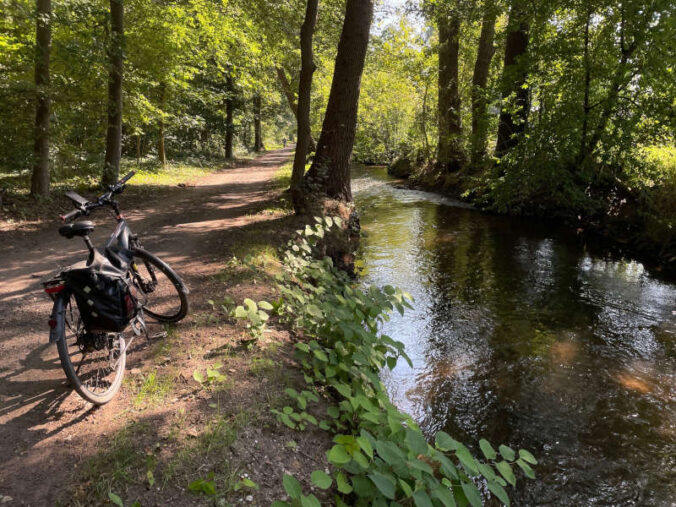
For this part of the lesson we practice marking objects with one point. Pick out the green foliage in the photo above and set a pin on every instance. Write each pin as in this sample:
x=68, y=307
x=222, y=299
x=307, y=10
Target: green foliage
x=211, y=377
x=255, y=315
x=379, y=453
x=203, y=486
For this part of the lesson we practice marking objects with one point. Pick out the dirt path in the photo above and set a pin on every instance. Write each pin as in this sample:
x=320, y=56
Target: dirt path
x=44, y=427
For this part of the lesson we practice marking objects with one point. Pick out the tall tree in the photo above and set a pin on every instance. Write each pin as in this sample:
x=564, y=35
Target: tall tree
x=303, y=135
x=258, y=134
x=111, y=171
x=330, y=170
x=450, y=153
x=485, y=52
x=286, y=86
x=514, y=116
x=43, y=44
x=229, y=114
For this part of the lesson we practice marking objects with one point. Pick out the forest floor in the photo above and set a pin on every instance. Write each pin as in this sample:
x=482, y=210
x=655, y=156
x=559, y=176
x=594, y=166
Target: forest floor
x=164, y=430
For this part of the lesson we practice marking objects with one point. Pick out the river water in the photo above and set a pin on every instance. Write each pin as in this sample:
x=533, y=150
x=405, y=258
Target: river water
x=521, y=336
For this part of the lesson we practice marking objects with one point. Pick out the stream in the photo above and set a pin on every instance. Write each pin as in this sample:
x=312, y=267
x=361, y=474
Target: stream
x=522, y=336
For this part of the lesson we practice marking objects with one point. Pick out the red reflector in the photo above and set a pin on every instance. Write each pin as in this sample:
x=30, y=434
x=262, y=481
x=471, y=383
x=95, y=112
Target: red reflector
x=53, y=289
x=52, y=323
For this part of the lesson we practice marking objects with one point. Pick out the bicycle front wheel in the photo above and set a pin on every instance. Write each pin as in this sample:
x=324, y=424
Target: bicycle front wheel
x=94, y=362
x=164, y=295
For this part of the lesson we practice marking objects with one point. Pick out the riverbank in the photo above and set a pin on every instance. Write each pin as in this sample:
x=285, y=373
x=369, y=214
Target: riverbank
x=632, y=224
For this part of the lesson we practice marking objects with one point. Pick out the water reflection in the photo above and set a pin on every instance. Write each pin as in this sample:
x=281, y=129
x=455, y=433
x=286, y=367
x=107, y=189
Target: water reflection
x=521, y=336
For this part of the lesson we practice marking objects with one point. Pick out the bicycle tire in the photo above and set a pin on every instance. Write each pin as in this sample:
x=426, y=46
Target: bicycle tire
x=181, y=290
x=71, y=371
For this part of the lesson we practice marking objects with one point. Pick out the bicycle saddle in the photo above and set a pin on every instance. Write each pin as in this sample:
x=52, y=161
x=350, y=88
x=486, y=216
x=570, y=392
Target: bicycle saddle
x=77, y=229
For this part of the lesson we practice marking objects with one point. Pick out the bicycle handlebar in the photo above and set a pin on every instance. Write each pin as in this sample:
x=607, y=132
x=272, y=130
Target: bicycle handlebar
x=103, y=200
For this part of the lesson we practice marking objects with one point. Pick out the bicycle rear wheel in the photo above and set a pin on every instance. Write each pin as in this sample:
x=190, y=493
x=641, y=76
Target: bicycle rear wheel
x=164, y=295
x=94, y=362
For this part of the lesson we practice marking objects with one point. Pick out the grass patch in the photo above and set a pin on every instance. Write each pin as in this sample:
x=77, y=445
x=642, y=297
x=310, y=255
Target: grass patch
x=151, y=389
x=283, y=175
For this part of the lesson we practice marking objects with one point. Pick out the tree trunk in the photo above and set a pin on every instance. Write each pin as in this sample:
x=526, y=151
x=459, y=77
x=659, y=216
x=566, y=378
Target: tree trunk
x=286, y=86
x=161, y=154
x=514, y=75
x=330, y=169
x=111, y=171
x=450, y=154
x=43, y=43
x=229, y=114
x=303, y=111
x=258, y=136
x=485, y=53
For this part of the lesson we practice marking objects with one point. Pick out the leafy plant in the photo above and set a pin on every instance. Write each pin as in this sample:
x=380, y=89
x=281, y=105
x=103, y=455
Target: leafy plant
x=379, y=454
x=255, y=315
x=203, y=486
x=211, y=377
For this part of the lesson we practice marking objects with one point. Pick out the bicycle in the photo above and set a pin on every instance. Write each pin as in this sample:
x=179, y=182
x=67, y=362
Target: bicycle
x=94, y=359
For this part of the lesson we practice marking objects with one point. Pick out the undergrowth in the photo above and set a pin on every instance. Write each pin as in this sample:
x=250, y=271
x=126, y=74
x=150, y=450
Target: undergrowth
x=380, y=456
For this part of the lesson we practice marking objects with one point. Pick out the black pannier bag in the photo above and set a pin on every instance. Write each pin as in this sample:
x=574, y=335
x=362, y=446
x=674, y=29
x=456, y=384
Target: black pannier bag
x=103, y=291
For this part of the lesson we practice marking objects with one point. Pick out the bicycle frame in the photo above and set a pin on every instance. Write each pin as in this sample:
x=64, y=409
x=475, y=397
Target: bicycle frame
x=122, y=234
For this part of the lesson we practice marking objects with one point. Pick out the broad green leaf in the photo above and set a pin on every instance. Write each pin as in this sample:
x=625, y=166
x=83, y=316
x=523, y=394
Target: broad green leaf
x=338, y=455
x=527, y=470
x=527, y=456
x=422, y=499
x=506, y=471
x=251, y=305
x=472, y=494
x=444, y=495
x=444, y=442
x=487, y=449
x=309, y=501
x=467, y=460
x=342, y=484
x=499, y=492
x=385, y=484
x=321, y=479
x=389, y=452
x=292, y=486
x=507, y=452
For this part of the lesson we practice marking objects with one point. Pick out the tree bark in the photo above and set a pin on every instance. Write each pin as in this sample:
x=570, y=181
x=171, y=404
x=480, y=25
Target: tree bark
x=229, y=115
x=514, y=75
x=330, y=171
x=43, y=44
x=284, y=81
x=111, y=171
x=450, y=154
x=482, y=65
x=258, y=136
x=303, y=134
x=161, y=154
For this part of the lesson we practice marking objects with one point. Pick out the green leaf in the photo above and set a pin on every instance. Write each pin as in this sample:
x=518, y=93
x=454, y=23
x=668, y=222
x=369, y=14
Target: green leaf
x=365, y=446
x=319, y=354
x=198, y=376
x=406, y=488
x=422, y=499
x=338, y=455
x=309, y=501
x=498, y=491
x=527, y=470
x=264, y=305
x=472, y=494
x=314, y=311
x=115, y=499
x=444, y=495
x=251, y=305
x=467, y=460
x=487, y=449
x=321, y=479
x=241, y=313
x=389, y=452
x=292, y=486
x=416, y=442
x=385, y=484
x=486, y=471
x=527, y=456
x=342, y=484
x=507, y=452
x=444, y=442
x=506, y=471
x=248, y=483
